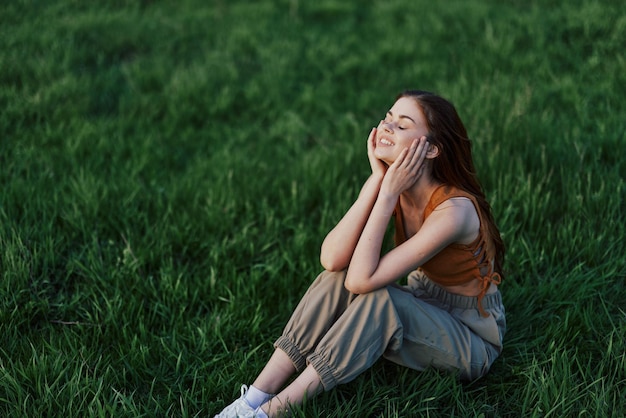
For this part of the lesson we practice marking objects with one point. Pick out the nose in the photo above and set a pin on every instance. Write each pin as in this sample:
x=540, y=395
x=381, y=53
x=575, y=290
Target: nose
x=386, y=126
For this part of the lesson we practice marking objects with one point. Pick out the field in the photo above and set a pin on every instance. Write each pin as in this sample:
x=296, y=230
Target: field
x=169, y=170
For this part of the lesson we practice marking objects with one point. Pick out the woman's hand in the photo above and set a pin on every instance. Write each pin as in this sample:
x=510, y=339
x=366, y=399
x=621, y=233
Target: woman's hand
x=406, y=169
x=379, y=168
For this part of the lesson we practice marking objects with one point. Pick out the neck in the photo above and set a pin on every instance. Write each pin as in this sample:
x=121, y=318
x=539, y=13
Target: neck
x=418, y=195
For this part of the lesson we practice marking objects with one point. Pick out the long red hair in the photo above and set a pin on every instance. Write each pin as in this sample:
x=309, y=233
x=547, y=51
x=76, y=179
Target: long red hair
x=454, y=164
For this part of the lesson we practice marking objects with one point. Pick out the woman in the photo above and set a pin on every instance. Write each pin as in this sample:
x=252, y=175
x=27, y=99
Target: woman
x=450, y=313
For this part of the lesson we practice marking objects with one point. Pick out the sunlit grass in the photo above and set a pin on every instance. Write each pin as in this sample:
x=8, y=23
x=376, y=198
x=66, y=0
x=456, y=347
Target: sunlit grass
x=169, y=170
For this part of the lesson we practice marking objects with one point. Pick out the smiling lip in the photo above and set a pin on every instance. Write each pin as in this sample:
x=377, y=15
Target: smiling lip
x=386, y=142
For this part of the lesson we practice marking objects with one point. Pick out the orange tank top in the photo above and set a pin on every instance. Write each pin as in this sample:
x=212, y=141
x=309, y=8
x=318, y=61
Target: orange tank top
x=457, y=264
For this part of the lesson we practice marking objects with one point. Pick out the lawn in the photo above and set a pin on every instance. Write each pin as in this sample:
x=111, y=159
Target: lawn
x=169, y=170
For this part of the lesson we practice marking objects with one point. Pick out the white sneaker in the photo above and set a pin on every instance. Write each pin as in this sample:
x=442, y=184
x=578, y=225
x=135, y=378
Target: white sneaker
x=238, y=409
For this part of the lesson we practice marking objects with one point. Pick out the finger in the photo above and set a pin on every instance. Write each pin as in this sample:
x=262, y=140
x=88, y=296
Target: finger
x=412, y=152
x=372, y=135
x=421, y=150
x=371, y=139
x=402, y=158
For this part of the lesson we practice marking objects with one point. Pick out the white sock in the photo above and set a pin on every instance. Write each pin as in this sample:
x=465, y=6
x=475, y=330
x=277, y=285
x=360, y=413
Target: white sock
x=256, y=397
x=260, y=413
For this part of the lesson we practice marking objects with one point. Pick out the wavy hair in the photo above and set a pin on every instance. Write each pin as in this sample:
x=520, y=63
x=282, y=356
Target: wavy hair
x=454, y=164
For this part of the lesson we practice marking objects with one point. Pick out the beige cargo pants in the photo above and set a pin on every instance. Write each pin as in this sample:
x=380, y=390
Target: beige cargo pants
x=419, y=325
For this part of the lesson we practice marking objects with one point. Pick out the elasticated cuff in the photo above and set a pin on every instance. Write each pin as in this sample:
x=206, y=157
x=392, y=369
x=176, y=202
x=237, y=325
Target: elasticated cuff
x=323, y=370
x=292, y=352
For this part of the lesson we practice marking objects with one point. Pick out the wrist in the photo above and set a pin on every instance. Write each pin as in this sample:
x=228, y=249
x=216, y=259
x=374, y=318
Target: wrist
x=377, y=178
x=387, y=201
x=388, y=197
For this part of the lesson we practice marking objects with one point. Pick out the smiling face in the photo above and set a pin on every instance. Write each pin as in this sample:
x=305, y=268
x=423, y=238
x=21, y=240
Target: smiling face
x=403, y=123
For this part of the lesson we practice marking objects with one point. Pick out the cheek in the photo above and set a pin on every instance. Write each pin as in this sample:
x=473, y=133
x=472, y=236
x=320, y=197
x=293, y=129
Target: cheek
x=409, y=136
x=406, y=138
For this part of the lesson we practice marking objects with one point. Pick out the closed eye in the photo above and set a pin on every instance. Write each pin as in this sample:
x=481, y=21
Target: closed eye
x=389, y=118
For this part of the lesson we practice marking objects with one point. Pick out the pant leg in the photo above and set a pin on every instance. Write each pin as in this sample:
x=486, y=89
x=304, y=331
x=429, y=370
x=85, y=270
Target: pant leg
x=324, y=302
x=434, y=336
x=368, y=327
x=434, y=330
x=342, y=334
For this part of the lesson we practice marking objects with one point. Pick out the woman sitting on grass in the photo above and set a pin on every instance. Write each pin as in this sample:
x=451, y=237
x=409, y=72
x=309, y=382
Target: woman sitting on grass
x=449, y=315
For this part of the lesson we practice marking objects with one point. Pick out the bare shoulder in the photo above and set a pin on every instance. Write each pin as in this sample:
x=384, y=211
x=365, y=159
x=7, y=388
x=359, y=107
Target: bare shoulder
x=457, y=206
x=461, y=212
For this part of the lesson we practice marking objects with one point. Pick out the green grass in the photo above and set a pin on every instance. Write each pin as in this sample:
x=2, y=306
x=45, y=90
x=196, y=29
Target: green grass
x=170, y=168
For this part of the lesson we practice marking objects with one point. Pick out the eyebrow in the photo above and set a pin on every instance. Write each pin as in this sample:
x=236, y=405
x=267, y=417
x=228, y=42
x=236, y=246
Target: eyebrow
x=402, y=117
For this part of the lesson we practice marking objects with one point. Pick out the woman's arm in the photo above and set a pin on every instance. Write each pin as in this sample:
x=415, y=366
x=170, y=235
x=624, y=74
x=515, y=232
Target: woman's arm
x=340, y=242
x=450, y=222
x=369, y=270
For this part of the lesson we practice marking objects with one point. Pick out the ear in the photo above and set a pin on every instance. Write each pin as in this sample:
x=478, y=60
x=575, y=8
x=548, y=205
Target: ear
x=432, y=151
